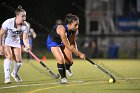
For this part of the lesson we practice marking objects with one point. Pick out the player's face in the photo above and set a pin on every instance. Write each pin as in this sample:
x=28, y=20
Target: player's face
x=74, y=25
x=21, y=17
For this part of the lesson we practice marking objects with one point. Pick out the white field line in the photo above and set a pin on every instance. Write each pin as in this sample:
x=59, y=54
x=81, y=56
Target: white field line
x=8, y=87
x=34, y=85
x=25, y=85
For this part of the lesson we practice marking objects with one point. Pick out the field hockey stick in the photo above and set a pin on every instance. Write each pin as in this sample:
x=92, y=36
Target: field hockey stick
x=38, y=60
x=106, y=72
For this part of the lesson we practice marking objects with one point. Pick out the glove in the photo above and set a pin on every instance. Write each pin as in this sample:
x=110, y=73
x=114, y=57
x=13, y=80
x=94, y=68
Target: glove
x=26, y=48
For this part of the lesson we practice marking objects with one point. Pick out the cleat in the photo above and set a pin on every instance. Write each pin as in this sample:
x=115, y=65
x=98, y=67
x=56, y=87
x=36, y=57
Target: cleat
x=69, y=72
x=7, y=81
x=16, y=77
x=63, y=81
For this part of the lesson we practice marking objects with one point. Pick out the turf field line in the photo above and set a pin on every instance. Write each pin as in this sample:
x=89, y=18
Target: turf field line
x=27, y=85
x=70, y=82
x=131, y=81
x=34, y=85
x=128, y=78
x=58, y=86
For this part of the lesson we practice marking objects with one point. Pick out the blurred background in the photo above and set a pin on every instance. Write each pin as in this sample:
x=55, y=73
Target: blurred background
x=108, y=28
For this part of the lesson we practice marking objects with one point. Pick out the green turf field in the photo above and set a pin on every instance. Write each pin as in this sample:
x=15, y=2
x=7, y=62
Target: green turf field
x=87, y=78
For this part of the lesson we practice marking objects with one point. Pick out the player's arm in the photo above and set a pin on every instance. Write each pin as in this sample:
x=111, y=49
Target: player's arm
x=1, y=35
x=3, y=30
x=33, y=32
x=26, y=41
x=72, y=40
x=25, y=37
x=63, y=35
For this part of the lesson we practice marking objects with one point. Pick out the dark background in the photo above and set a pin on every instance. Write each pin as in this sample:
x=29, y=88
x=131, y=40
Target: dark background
x=42, y=14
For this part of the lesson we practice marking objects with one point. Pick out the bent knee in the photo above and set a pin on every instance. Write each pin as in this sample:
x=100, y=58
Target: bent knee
x=18, y=60
x=9, y=57
x=60, y=60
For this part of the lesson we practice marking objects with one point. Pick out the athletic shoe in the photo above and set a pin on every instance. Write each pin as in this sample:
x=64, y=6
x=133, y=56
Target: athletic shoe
x=7, y=81
x=69, y=72
x=63, y=81
x=16, y=77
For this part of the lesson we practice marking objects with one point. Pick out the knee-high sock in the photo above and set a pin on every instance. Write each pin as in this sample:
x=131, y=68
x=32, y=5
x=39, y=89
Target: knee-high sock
x=17, y=66
x=7, y=68
x=61, y=69
x=68, y=66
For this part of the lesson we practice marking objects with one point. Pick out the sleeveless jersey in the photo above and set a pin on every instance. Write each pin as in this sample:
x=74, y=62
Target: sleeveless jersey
x=54, y=39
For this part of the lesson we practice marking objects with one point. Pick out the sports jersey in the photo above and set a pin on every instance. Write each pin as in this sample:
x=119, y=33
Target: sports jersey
x=13, y=34
x=54, y=39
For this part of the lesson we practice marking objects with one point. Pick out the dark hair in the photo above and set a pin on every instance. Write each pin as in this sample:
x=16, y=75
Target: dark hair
x=70, y=18
x=19, y=9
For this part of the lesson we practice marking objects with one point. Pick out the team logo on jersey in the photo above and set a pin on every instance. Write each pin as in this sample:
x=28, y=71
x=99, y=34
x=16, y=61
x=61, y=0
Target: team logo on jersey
x=15, y=32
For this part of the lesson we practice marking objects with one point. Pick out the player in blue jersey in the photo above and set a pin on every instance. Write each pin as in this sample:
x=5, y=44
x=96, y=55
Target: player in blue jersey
x=61, y=42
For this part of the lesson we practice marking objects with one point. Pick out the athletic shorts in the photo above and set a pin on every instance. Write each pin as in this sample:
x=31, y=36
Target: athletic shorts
x=50, y=43
x=12, y=43
x=21, y=42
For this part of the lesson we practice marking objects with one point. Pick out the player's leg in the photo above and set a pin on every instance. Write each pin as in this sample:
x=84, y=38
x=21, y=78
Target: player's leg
x=17, y=64
x=68, y=60
x=22, y=47
x=7, y=63
x=56, y=51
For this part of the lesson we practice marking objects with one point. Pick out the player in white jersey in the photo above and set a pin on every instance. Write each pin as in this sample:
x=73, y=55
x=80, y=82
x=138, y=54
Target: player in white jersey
x=13, y=28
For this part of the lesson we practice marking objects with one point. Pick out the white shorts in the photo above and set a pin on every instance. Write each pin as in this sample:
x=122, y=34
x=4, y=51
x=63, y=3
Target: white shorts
x=12, y=43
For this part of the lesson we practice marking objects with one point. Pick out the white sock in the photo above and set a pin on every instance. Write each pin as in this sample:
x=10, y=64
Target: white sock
x=7, y=68
x=16, y=67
